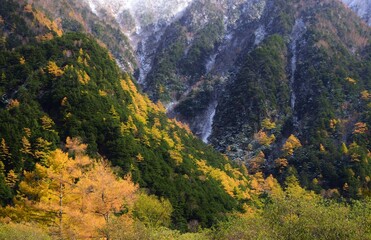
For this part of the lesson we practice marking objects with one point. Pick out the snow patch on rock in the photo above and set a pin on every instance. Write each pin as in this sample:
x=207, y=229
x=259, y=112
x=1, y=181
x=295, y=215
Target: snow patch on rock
x=362, y=8
x=255, y=9
x=145, y=12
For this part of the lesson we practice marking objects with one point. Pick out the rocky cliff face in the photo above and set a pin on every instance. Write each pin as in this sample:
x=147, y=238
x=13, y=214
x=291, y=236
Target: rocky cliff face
x=188, y=49
x=362, y=8
x=248, y=76
x=187, y=65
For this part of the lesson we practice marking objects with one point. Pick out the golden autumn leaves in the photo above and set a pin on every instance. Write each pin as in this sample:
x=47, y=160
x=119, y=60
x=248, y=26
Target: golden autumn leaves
x=72, y=197
x=290, y=145
x=56, y=71
x=264, y=139
x=43, y=20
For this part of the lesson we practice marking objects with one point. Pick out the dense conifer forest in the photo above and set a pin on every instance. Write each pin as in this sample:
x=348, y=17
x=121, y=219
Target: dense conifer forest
x=85, y=154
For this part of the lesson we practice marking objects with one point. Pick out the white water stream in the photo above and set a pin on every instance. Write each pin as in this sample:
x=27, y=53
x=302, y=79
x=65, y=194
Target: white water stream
x=208, y=125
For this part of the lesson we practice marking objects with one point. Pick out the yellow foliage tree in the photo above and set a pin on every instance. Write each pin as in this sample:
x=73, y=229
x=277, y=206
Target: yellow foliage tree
x=260, y=185
x=264, y=139
x=281, y=163
x=83, y=77
x=54, y=70
x=351, y=80
x=156, y=134
x=102, y=93
x=45, y=21
x=107, y=193
x=115, y=115
x=354, y=152
x=74, y=198
x=27, y=131
x=344, y=149
x=334, y=123
x=47, y=123
x=176, y=156
x=139, y=157
x=256, y=162
x=5, y=154
x=152, y=211
x=291, y=145
x=26, y=146
x=11, y=179
x=268, y=124
x=22, y=61
x=13, y=103
x=42, y=148
x=235, y=187
x=128, y=127
x=360, y=128
x=74, y=145
x=168, y=140
x=322, y=148
x=272, y=186
x=365, y=95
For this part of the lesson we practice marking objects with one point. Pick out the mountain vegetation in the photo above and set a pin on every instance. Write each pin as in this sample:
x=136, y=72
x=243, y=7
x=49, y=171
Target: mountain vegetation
x=76, y=16
x=84, y=153
x=69, y=86
x=313, y=88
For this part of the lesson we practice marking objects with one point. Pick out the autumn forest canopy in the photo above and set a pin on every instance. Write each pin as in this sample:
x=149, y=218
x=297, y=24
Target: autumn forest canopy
x=85, y=154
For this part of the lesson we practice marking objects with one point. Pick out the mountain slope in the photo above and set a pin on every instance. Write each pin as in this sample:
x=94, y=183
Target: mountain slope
x=284, y=87
x=307, y=89
x=76, y=16
x=312, y=80
x=69, y=86
x=251, y=77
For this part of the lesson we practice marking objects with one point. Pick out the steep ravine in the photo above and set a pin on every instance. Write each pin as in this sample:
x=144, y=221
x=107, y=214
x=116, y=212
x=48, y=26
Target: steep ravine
x=248, y=76
x=154, y=35
x=296, y=35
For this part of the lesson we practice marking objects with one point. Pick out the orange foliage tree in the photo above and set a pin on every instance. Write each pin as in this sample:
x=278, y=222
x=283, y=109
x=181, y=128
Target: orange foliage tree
x=74, y=197
x=291, y=145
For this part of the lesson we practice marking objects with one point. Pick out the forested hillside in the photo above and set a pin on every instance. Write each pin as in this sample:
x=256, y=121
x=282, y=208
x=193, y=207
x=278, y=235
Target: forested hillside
x=68, y=86
x=313, y=88
x=85, y=154
x=227, y=69
x=76, y=16
x=283, y=86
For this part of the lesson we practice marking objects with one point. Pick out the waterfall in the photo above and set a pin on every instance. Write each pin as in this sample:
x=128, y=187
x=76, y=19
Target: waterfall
x=210, y=63
x=209, y=118
x=259, y=35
